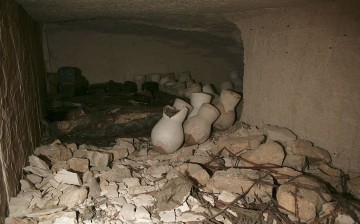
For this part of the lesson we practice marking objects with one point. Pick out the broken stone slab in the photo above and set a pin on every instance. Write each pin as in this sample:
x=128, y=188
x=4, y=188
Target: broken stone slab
x=183, y=154
x=226, y=197
x=43, y=212
x=123, y=148
x=25, y=185
x=302, y=196
x=131, y=181
x=159, y=171
x=110, y=191
x=73, y=196
x=305, y=148
x=87, y=176
x=188, y=217
x=276, y=133
x=142, y=215
x=94, y=188
x=100, y=159
x=283, y=174
x=66, y=177
x=168, y=216
x=241, y=180
x=34, y=178
x=38, y=171
x=37, y=162
x=81, y=153
x=60, y=165
x=12, y=220
x=19, y=206
x=135, y=190
x=354, y=187
x=297, y=162
x=332, y=176
x=127, y=212
x=145, y=200
x=116, y=175
x=56, y=152
x=78, y=164
x=173, y=194
x=193, y=171
x=237, y=145
x=270, y=153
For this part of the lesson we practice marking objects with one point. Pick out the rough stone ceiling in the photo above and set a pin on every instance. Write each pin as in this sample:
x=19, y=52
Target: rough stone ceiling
x=196, y=15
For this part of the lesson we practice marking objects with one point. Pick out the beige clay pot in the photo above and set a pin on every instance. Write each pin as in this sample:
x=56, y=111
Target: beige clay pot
x=198, y=99
x=179, y=104
x=228, y=101
x=167, y=136
x=197, y=129
x=139, y=80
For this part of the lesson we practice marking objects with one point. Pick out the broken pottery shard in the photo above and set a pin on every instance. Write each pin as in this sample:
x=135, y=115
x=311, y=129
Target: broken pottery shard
x=67, y=177
x=73, y=196
x=305, y=148
x=297, y=162
x=98, y=158
x=45, y=212
x=78, y=164
x=240, y=180
x=237, y=145
x=38, y=171
x=173, y=194
x=303, y=196
x=270, y=153
x=37, y=162
x=354, y=187
x=193, y=171
x=279, y=133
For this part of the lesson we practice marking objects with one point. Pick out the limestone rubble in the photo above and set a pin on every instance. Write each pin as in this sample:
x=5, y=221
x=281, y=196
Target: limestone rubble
x=243, y=175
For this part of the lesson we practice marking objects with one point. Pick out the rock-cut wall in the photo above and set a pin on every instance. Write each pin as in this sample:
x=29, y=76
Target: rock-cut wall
x=21, y=85
x=302, y=71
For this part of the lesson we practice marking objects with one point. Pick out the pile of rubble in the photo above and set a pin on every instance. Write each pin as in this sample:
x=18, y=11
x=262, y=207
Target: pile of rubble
x=243, y=175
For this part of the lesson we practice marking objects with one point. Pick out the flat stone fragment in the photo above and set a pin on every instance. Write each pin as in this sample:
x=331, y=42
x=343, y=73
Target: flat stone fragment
x=305, y=148
x=279, y=133
x=19, y=206
x=73, y=196
x=237, y=145
x=142, y=215
x=45, y=212
x=123, y=148
x=37, y=162
x=283, y=174
x=98, y=158
x=78, y=164
x=110, y=191
x=226, y=196
x=12, y=220
x=297, y=162
x=145, y=200
x=94, y=188
x=354, y=187
x=25, y=185
x=34, y=178
x=127, y=212
x=38, y=171
x=270, y=153
x=116, y=175
x=60, y=165
x=173, y=194
x=190, y=217
x=310, y=196
x=66, y=177
x=167, y=216
x=198, y=174
x=240, y=180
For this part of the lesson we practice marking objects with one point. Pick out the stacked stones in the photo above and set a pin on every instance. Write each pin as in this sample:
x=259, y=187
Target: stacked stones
x=223, y=180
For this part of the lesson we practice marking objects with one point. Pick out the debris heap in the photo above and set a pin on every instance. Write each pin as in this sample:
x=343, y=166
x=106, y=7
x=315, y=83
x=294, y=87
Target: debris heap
x=243, y=175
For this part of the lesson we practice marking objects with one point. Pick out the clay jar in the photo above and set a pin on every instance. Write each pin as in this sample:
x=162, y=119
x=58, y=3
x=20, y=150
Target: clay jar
x=154, y=77
x=197, y=129
x=228, y=101
x=139, y=80
x=198, y=99
x=179, y=104
x=167, y=135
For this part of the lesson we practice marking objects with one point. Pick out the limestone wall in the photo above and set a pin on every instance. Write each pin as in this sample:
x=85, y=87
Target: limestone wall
x=21, y=76
x=104, y=56
x=302, y=71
